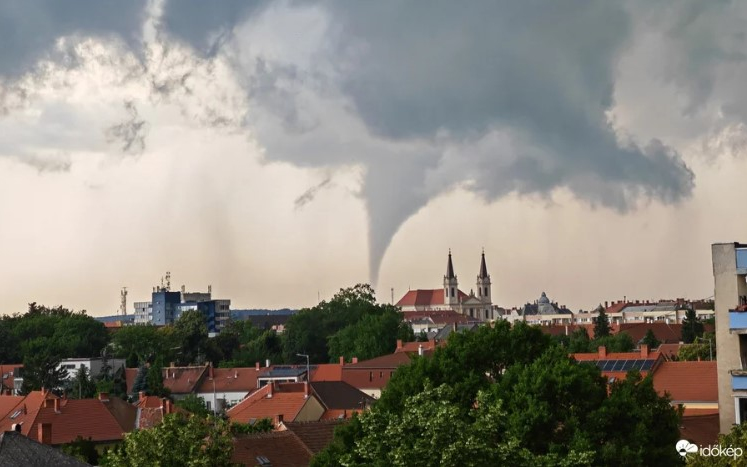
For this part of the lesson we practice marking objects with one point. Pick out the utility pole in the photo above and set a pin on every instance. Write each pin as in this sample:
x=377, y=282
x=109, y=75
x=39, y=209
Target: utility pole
x=308, y=375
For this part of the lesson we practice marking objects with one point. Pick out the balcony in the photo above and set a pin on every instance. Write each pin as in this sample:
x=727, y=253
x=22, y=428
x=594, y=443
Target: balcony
x=738, y=380
x=741, y=261
x=738, y=322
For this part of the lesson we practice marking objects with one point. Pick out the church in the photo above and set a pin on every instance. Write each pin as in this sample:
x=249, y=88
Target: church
x=476, y=306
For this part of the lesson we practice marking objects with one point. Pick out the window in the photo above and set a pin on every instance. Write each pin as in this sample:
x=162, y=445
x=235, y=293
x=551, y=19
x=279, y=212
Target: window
x=452, y=292
x=741, y=409
x=370, y=376
x=381, y=374
x=486, y=292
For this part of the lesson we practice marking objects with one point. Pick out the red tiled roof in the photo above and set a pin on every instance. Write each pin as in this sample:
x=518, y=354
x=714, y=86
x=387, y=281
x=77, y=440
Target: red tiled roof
x=29, y=407
x=287, y=400
x=436, y=316
x=87, y=418
x=151, y=409
x=7, y=403
x=700, y=429
x=231, y=380
x=280, y=448
x=179, y=380
x=389, y=361
x=426, y=297
x=664, y=332
x=562, y=329
x=669, y=350
x=327, y=372
x=413, y=347
x=687, y=381
x=315, y=435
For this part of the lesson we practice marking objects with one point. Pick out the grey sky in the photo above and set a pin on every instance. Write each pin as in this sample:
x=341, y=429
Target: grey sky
x=611, y=109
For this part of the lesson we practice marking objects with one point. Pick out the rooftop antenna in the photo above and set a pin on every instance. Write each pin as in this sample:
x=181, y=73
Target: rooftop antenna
x=210, y=289
x=123, y=302
x=168, y=281
x=392, y=302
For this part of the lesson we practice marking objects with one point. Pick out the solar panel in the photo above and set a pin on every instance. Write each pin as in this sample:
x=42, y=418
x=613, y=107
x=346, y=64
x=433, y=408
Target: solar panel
x=647, y=364
x=618, y=365
x=628, y=365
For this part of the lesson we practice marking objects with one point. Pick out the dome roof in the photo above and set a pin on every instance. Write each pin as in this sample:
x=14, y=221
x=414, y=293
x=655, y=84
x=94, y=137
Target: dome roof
x=543, y=299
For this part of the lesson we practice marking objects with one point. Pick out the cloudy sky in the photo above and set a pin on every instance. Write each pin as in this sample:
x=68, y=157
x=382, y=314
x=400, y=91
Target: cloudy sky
x=282, y=150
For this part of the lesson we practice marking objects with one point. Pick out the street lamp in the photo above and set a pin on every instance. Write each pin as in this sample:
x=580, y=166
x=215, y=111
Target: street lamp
x=308, y=375
x=710, y=348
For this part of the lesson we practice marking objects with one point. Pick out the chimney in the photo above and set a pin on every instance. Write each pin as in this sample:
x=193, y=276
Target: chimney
x=166, y=407
x=267, y=362
x=270, y=390
x=280, y=418
x=256, y=366
x=644, y=350
x=454, y=326
x=420, y=349
x=355, y=359
x=399, y=343
x=44, y=434
x=342, y=361
x=306, y=390
x=210, y=370
x=602, y=351
x=141, y=395
x=606, y=304
x=171, y=364
x=235, y=374
x=57, y=405
x=104, y=396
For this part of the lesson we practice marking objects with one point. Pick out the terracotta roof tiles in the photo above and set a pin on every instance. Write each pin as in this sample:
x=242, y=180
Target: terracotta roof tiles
x=279, y=448
x=315, y=435
x=687, y=381
x=286, y=399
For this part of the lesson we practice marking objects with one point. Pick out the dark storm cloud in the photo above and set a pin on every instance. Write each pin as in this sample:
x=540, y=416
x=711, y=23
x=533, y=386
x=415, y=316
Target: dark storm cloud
x=28, y=28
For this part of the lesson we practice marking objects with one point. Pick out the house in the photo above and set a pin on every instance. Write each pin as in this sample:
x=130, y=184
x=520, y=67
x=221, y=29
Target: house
x=340, y=400
x=226, y=387
x=93, y=366
x=292, y=445
x=10, y=379
x=19, y=450
x=434, y=320
x=616, y=365
x=371, y=376
x=278, y=401
x=180, y=380
x=415, y=347
x=152, y=409
x=694, y=385
x=53, y=420
x=277, y=448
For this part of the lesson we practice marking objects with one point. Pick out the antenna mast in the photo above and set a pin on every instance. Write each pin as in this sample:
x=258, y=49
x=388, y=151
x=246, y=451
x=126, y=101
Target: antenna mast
x=168, y=281
x=123, y=302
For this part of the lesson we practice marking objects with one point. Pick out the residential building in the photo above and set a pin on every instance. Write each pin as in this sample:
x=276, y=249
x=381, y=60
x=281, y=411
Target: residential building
x=180, y=380
x=340, y=400
x=730, y=292
x=52, y=420
x=279, y=448
x=475, y=305
x=371, y=376
x=226, y=387
x=152, y=409
x=615, y=365
x=10, y=379
x=542, y=312
x=693, y=385
x=279, y=402
x=166, y=307
x=93, y=366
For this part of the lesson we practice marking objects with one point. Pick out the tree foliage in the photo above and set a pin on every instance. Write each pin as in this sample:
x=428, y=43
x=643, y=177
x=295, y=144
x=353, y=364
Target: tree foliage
x=650, y=340
x=508, y=396
x=692, y=327
x=602, y=324
x=177, y=441
x=194, y=405
x=335, y=328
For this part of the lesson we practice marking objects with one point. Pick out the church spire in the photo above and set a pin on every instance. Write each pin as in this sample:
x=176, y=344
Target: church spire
x=450, y=268
x=483, y=267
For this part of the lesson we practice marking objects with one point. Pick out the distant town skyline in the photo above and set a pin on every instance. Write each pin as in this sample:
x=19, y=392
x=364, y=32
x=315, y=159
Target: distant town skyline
x=280, y=151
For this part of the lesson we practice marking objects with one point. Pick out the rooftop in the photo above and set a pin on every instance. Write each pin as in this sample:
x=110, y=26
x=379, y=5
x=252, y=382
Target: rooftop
x=687, y=381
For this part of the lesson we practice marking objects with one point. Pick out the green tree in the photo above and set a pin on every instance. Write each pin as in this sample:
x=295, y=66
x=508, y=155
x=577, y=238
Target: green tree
x=263, y=425
x=192, y=332
x=602, y=324
x=194, y=405
x=309, y=330
x=41, y=365
x=82, y=449
x=177, y=441
x=580, y=341
x=650, y=340
x=141, y=379
x=154, y=379
x=620, y=342
x=692, y=327
x=142, y=342
x=737, y=438
x=422, y=336
x=374, y=335
x=80, y=386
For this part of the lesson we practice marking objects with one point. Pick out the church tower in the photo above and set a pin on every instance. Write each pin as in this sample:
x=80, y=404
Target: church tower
x=451, y=290
x=483, y=282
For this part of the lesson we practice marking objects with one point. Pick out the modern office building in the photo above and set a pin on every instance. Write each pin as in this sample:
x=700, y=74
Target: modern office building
x=730, y=291
x=166, y=307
